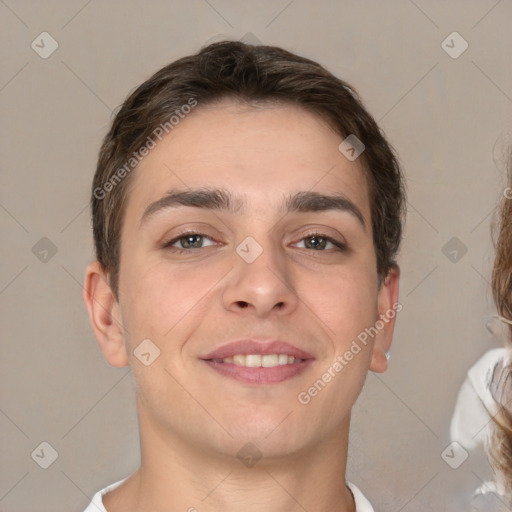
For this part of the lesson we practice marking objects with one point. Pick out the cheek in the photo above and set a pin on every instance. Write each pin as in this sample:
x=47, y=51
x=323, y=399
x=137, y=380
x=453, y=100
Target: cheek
x=346, y=301
x=350, y=310
x=144, y=301
x=159, y=298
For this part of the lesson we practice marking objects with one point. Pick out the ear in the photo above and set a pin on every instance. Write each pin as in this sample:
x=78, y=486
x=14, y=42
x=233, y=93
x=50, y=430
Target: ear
x=104, y=314
x=388, y=307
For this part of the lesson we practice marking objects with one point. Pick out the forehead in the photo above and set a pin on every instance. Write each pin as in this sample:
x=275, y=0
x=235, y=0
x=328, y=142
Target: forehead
x=257, y=151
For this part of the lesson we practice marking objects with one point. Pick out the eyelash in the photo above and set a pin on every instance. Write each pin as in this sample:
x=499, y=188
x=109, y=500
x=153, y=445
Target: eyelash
x=340, y=245
x=169, y=245
x=177, y=250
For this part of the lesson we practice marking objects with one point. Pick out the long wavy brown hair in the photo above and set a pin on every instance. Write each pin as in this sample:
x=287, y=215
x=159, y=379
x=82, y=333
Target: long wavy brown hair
x=499, y=443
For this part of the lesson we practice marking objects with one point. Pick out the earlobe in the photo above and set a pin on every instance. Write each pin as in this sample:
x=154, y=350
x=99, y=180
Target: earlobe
x=388, y=308
x=104, y=314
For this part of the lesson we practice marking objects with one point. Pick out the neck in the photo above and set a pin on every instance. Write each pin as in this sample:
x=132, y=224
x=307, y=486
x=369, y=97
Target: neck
x=174, y=475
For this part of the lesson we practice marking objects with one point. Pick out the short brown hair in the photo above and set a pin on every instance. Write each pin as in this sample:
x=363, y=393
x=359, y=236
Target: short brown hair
x=248, y=73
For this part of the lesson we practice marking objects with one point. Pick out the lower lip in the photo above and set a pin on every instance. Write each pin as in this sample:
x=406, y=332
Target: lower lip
x=260, y=375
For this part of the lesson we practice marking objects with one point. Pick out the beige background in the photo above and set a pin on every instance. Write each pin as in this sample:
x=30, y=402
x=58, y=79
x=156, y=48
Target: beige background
x=448, y=119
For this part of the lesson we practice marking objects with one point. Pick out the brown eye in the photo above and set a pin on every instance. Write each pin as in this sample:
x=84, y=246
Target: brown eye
x=315, y=242
x=191, y=241
x=321, y=243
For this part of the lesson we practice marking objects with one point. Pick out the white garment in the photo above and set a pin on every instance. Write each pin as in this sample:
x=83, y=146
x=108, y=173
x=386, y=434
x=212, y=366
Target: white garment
x=471, y=418
x=96, y=505
x=362, y=504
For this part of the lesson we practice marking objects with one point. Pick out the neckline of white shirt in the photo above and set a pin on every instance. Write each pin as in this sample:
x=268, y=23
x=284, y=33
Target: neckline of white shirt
x=96, y=505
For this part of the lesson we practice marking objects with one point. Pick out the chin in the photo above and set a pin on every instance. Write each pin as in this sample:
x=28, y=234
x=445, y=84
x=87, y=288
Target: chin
x=273, y=435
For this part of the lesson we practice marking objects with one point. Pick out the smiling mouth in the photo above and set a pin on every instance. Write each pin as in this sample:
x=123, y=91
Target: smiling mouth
x=259, y=360
x=259, y=369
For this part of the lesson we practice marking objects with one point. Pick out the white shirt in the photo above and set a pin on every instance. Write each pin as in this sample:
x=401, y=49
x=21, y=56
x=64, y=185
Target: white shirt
x=96, y=505
x=471, y=419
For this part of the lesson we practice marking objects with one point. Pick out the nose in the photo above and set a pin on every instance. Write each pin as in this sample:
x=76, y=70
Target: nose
x=262, y=287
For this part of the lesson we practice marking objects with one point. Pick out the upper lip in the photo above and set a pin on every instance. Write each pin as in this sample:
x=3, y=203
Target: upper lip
x=254, y=346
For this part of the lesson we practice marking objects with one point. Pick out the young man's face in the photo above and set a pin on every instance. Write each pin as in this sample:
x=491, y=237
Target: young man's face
x=221, y=290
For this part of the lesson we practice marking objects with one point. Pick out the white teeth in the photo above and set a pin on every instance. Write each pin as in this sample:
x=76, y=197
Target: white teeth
x=253, y=360
x=239, y=360
x=269, y=360
x=258, y=361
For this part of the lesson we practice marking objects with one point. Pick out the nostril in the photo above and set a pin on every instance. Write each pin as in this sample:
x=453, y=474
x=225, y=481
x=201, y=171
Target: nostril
x=242, y=303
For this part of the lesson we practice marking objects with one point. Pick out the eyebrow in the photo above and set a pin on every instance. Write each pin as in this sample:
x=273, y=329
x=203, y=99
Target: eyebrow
x=222, y=200
x=316, y=202
x=206, y=198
